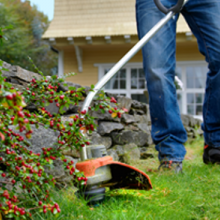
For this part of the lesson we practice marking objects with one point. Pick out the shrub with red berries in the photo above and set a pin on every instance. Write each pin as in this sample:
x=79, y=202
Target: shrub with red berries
x=21, y=169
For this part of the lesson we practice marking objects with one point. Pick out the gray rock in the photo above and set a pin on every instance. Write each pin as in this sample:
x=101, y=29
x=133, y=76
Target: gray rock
x=126, y=118
x=71, y=152
x=119, y=149
x=97, y=139
x=16, y=71
x=52, y=108
x=124, y=102
x=139, y=106
x=199, y=131
x=113, y=154
x=131, y=153
x=144, y=127
x=18, y=87
x=131, y=127
x=104, y=116
x=74, y=108
x=185, y=119
x=58, y=172
x=139, y=138
x=148, y=152
x=198, y=122
x=41, y=138
x=192, y=121
x=108, y=127
x=141, y=118
x=142, y=122
x=108, y=94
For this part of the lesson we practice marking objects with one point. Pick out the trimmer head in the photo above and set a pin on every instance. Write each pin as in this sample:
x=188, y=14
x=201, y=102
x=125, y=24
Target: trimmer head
x=121, y=175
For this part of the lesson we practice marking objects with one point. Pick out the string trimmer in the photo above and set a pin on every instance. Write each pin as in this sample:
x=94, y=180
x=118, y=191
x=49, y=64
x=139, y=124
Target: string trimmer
x=100, y=169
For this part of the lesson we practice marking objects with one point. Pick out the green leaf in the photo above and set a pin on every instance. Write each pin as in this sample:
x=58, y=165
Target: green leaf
x=55, y=211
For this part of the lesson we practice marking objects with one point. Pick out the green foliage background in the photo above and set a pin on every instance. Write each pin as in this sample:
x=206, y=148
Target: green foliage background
x=24, y=39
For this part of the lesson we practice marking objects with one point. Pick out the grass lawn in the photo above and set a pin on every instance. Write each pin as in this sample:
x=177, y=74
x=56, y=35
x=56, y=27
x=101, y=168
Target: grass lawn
x=194, y=194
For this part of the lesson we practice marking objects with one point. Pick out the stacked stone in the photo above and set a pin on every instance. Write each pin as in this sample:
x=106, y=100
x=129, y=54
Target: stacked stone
x=126, y=139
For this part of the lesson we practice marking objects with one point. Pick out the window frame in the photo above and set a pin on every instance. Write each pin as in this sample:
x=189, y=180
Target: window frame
x=128, y=91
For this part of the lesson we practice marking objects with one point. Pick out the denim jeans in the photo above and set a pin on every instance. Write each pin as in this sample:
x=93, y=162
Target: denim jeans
x=203, y=17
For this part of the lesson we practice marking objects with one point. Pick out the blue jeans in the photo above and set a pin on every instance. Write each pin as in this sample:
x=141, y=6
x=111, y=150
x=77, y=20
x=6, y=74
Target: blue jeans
x=203, y=17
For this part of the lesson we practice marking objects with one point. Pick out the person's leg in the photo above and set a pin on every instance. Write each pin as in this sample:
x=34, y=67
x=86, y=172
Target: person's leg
x=203, y=18
x=159, y=62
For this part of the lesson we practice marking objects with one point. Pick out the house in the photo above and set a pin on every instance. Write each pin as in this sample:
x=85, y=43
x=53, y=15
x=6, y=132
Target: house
x=92, y=35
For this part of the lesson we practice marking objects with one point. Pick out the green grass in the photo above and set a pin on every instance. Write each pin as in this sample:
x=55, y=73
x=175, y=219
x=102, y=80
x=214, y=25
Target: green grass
x=195, y=194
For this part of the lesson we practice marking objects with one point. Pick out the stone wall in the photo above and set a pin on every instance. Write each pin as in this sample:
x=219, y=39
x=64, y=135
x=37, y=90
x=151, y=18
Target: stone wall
x=126, y=139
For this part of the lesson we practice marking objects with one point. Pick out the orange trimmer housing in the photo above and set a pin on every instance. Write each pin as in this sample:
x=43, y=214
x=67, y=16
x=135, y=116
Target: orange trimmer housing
x=123, y=175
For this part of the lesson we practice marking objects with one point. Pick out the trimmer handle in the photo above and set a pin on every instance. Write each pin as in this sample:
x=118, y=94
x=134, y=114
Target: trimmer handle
x=176, y=8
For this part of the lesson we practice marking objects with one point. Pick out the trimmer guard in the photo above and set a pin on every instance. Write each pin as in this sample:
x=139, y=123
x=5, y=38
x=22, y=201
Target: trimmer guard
x=127, y=177
x=123, y=175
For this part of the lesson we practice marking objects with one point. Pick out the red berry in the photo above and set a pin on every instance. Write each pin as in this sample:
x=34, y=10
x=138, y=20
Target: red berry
x=113, y=100
x=62, y=97
x=51, y=123
x=110, y=111
x=22, y=212
x=13, y=181
x=26, y=120
x=3, y=175
x=9, y=97
x=20, y=114
x=83, y=112
x=119, y=114
x=40, y=203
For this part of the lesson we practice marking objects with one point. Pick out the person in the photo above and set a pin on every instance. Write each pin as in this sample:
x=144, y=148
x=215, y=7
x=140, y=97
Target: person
x=168, y=133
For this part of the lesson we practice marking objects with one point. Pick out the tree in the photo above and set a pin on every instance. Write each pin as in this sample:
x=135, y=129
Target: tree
x=25, y=38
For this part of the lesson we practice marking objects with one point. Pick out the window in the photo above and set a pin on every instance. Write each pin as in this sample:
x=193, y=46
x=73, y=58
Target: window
x=194, y=103
x=193, y=76
x=138, y=79
x=129, y=81
x=118, y=81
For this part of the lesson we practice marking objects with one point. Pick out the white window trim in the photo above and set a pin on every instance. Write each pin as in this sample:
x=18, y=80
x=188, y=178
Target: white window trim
x=128, y=92
x=183, y=65
x=60, y=64
x=128, y=66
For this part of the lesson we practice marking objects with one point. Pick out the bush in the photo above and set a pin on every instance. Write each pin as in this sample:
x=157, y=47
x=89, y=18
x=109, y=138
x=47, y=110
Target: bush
x=24, y=184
